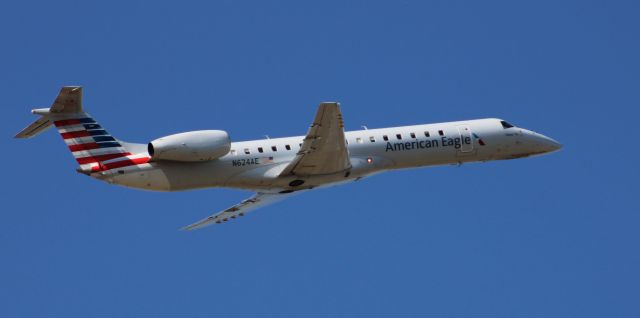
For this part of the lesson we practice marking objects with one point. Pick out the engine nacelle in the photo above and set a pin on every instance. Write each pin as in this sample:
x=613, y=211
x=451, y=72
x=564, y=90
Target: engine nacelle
x=192, y=146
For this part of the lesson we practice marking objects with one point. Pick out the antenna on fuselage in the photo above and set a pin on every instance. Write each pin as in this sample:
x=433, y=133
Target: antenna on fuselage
x=267, y=136
x=365, y=127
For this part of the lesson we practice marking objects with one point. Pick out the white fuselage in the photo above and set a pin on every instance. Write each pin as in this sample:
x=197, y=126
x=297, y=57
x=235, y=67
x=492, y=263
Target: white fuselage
x=256, y=165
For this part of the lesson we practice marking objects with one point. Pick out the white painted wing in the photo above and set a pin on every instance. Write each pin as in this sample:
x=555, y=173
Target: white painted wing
x=324, y=149
x=257, y=201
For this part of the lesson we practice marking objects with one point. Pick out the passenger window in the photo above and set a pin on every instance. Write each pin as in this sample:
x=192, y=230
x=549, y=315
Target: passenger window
x=399, y=136
x=288, y=147
x=246, y=151
x=274, y=148
x=359, y=140
x=426, y=134
x=260, y=150
x=440, y=132
x=372, y=139
x=300, y=146
x=385, y=138
x=233, y=152
x=413, y=135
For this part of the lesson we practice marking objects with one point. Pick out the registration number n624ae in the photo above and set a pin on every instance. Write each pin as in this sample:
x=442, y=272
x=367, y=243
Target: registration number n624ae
x=251, y=161
x=245, y=162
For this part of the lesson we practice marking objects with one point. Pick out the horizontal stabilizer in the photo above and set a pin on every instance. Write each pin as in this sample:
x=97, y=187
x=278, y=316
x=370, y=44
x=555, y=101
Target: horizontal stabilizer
x=35, y=128
x=68, y=101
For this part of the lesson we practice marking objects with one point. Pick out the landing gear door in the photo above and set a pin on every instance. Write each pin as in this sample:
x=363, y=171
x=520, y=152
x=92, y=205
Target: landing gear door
x=466, y=139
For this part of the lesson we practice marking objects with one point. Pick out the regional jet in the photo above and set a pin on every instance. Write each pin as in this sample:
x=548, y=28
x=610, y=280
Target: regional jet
x=276, y=168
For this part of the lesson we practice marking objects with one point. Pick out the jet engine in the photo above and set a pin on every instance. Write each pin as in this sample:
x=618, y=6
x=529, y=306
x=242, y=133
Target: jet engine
x=192, y=146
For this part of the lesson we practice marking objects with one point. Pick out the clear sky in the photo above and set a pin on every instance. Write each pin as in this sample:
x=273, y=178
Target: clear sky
x=553, y=236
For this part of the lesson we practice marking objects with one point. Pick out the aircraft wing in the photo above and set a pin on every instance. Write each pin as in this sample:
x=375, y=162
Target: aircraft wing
x=257, y=201
x=324, y=149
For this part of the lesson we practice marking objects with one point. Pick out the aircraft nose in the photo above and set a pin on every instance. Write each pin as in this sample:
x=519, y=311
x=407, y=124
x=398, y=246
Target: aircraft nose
x=547, y=144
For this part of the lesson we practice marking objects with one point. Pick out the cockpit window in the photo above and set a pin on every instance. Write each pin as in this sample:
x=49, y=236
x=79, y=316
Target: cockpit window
x=505, y=124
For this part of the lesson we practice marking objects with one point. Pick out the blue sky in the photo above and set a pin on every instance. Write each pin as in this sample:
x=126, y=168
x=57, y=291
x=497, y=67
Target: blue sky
x=554, y=236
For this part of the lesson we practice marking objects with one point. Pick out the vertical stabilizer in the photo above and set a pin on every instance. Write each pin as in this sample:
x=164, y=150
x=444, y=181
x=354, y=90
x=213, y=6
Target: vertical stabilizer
x=91, y=145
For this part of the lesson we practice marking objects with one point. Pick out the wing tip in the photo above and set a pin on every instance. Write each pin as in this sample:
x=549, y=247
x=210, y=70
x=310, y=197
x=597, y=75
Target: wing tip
x=198, y=225
x=192, y=227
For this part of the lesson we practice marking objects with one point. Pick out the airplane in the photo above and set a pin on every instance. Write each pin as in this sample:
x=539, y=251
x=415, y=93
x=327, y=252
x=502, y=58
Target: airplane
x=276, y=168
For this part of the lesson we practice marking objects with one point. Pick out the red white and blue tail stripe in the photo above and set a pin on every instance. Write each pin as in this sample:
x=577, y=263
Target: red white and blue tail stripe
x=93, y=147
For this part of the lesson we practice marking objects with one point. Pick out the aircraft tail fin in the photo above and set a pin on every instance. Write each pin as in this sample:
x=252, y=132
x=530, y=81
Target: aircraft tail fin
x=92, y=146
